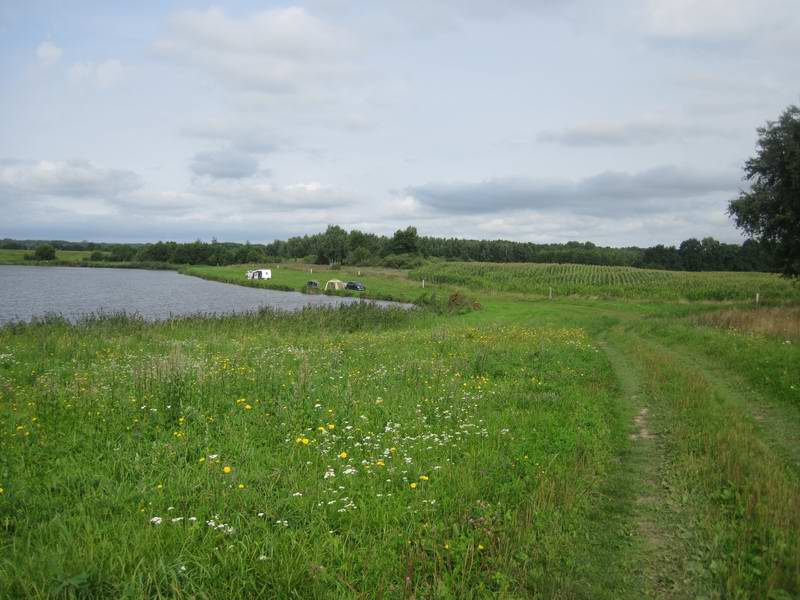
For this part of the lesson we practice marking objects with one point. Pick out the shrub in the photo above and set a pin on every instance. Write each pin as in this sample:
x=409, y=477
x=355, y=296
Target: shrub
x=44, y=252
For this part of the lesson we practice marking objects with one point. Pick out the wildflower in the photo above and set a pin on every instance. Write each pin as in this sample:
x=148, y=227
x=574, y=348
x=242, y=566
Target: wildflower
x=413, y=486
x=423, y=478
x=380, y=463
x=321, y=429
x=262, y=557
x=226, y=469
x=248, y=407
x=447, y=546
x=2, y=491
x=480, y=546
x=156, y=520
x=302, y=440
x=241, y=486
x=342, y=455
x=159, y=486
x=331, y=426
x=202, y=459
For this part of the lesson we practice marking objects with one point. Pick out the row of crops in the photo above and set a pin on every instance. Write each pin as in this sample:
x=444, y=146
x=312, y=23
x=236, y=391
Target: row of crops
x=610, y=282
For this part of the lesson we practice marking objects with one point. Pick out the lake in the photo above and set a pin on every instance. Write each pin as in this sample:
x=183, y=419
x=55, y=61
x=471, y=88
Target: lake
x=73, y=292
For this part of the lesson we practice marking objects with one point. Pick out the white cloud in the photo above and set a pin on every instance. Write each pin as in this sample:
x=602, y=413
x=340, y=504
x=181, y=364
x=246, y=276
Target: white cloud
x=103, y=75
x=48, y=54
x=279, y=50
x=720, y=20
x=70, y=179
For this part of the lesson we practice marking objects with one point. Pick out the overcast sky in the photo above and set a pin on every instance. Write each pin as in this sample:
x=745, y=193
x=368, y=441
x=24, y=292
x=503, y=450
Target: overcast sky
x=619, y=122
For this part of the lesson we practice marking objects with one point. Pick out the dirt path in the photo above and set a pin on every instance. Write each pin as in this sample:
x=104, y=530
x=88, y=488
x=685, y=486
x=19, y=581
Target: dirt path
x=654, y=513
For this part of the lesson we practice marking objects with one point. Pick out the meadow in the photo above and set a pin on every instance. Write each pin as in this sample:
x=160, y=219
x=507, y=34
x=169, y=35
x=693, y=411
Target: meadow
x=17, y=257
x=569, y=448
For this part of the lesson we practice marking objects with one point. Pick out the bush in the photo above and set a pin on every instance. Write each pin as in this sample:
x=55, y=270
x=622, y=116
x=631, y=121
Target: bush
x=403, y=261
x=44, y=252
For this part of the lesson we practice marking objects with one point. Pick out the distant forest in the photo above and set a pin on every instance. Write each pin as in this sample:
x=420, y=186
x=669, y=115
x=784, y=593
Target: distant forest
x=406, y=249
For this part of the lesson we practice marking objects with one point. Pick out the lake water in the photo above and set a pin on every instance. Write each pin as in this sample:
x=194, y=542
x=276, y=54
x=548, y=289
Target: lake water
x=28, y=292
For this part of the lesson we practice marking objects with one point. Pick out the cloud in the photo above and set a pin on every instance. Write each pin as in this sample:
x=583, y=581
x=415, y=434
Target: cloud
x=70, y=179
x=640, y=131
x=244, y=134
x=228, y=164
x=48, y=54
x=257, y=198
x=276, y=51
x=657, y=190
x=102, y=75
x=721, y=21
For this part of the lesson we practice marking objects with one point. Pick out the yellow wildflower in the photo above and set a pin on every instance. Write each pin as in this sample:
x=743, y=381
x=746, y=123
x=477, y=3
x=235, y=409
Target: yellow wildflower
x=413, y=486
x=331, y=426
x=342, y=454
x=226, y=469
x=202, y=459
x=248, y=407
x=241, y=486
x=423, y=478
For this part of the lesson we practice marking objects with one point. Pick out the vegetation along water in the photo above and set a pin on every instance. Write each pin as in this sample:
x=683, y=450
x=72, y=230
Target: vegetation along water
x=628, y=437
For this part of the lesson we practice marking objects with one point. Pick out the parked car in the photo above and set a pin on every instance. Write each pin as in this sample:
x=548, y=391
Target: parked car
x=312, y=283
x=356, y=285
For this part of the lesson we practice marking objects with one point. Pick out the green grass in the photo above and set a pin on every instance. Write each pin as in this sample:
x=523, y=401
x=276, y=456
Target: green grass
x=17, y=257
x=381, y=284
x=610, y=282
x=112, y=423
x=520, y=427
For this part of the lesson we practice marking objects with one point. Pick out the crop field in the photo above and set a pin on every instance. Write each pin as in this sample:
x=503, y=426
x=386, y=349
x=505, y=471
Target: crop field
x=577, y=447
x=610, y=282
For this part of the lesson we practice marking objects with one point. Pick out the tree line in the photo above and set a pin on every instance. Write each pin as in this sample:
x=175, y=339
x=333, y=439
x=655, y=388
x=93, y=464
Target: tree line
x=407, y=249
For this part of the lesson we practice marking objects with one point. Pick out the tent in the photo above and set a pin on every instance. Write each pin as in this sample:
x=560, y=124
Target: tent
x=335, y=284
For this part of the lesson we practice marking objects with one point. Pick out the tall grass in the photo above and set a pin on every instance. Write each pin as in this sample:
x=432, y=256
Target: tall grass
x=331, y=453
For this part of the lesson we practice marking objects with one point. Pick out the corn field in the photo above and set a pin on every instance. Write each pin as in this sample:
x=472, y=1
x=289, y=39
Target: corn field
x=610, y=282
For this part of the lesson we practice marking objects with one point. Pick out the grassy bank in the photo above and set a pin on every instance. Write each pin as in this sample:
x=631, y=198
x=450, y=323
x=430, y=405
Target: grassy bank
x=345, y=452
x=572, y=448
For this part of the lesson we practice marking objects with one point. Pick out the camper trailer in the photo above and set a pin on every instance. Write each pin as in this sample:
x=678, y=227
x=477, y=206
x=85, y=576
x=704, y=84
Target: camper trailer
x=260, y=274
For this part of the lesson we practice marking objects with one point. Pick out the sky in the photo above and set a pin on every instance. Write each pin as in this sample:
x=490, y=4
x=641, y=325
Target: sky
x=625, y=122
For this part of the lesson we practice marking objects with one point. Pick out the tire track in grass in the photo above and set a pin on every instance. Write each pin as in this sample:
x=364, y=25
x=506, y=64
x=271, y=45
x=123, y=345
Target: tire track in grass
x=656, y=519
x=777, y=422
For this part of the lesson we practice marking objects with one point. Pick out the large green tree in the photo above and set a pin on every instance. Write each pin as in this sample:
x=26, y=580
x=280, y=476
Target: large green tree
x=770, y=211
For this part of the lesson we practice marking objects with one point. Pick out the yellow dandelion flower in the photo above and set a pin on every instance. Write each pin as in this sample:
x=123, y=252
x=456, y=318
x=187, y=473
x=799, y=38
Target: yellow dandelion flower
x=380, y=463
x=447, y=546
x=331, y=426
x=226, y=469
x=304, y=441
x=2, y=491
x=241, y=486
x=248, y=407
x=321, y=428
x=343, y=455
x=413, y=486
x=480, y=546
x=423, y=478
